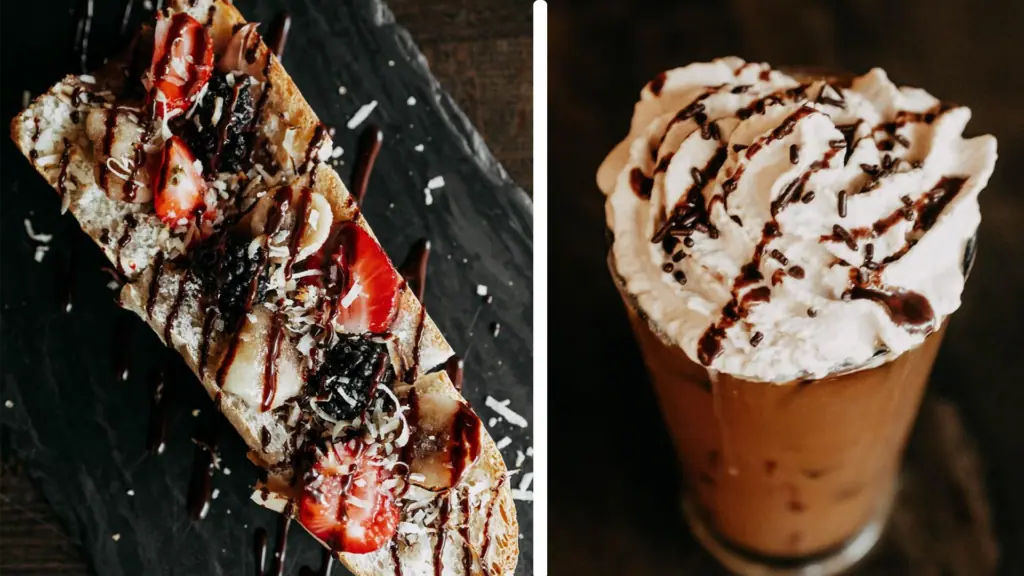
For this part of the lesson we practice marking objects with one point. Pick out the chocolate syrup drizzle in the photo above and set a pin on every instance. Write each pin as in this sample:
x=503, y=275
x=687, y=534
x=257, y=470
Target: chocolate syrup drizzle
x=204, y=463
x=454, y=367
x=690, y=214
x=369, y=147
x=414, y=267
x=277, y=36
x=284, y=522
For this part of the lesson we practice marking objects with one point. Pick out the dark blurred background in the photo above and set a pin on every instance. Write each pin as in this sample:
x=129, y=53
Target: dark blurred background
x=613, y=485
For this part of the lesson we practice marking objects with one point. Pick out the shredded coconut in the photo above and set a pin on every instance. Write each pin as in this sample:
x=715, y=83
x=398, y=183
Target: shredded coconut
x=505, y=411
x=361, y=114
x=42, y=238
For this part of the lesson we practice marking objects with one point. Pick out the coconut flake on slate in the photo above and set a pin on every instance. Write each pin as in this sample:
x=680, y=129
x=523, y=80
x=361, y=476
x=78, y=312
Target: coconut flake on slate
x=502, y=409
x=361, y=114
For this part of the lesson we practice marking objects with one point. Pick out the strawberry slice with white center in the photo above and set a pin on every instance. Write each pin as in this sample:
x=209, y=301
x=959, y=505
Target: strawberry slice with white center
x=182, y=63
x=180, y=188
x=369, y=299
x=345, y=504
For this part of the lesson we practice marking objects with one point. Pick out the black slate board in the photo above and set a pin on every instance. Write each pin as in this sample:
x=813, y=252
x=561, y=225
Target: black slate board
x=81, y=433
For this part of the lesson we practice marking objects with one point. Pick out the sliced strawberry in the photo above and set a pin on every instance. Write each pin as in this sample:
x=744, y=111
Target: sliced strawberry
x=182, y=63
x=179, y=186
x=369, y=298
x=346, y=505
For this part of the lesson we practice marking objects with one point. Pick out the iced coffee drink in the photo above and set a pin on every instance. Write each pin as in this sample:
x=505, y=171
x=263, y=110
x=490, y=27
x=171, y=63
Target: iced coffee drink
x=788, y=250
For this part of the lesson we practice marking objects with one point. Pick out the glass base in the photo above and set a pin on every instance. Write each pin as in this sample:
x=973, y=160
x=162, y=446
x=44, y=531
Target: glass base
x=747, y=563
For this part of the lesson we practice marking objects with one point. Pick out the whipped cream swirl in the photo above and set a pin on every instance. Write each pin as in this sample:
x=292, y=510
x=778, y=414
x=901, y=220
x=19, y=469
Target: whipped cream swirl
x=778, y=229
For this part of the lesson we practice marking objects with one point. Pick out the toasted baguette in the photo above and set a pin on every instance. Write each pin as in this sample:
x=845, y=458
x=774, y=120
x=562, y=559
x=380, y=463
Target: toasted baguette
x=57, y=145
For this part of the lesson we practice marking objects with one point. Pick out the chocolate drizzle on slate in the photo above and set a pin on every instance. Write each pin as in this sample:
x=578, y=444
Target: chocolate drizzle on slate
x=156, y=439
x=454, y=366
x=200, y=485
x=284, y=522
x=369, y=147
x=278, y=34
x=260, y=549
x=414, y=267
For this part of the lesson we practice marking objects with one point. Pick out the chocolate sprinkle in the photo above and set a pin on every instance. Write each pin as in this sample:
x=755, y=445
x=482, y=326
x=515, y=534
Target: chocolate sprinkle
x=679, y=276
x=837, y=144
x=902, y=140
x=667, y=267
x=756, y=339
x=869, y=252
x=812, y=312
x=794, y=154
x=842, y=203
x=796, y=272
x=808, y=197
x=739, y=147
x=778, y=255
x=906, y=200
x=844, y=235
x=678, y=256
x=688, y=242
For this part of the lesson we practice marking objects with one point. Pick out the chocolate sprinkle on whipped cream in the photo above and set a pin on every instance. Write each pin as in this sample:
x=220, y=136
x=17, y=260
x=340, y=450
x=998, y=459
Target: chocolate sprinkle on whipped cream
x=799, y=174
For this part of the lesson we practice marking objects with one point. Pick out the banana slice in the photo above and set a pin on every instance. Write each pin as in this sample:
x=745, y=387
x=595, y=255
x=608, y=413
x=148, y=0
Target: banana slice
x=117, y=141
x=247, y=370
x=283, y=203
x=445, y=439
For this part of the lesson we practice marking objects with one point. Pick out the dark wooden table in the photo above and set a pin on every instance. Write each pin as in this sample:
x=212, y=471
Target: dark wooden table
x=481, y=51
x=613, y=487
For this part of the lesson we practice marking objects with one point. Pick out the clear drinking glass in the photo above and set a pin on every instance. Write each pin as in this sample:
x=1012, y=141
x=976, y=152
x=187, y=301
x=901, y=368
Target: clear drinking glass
x=786, y=479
